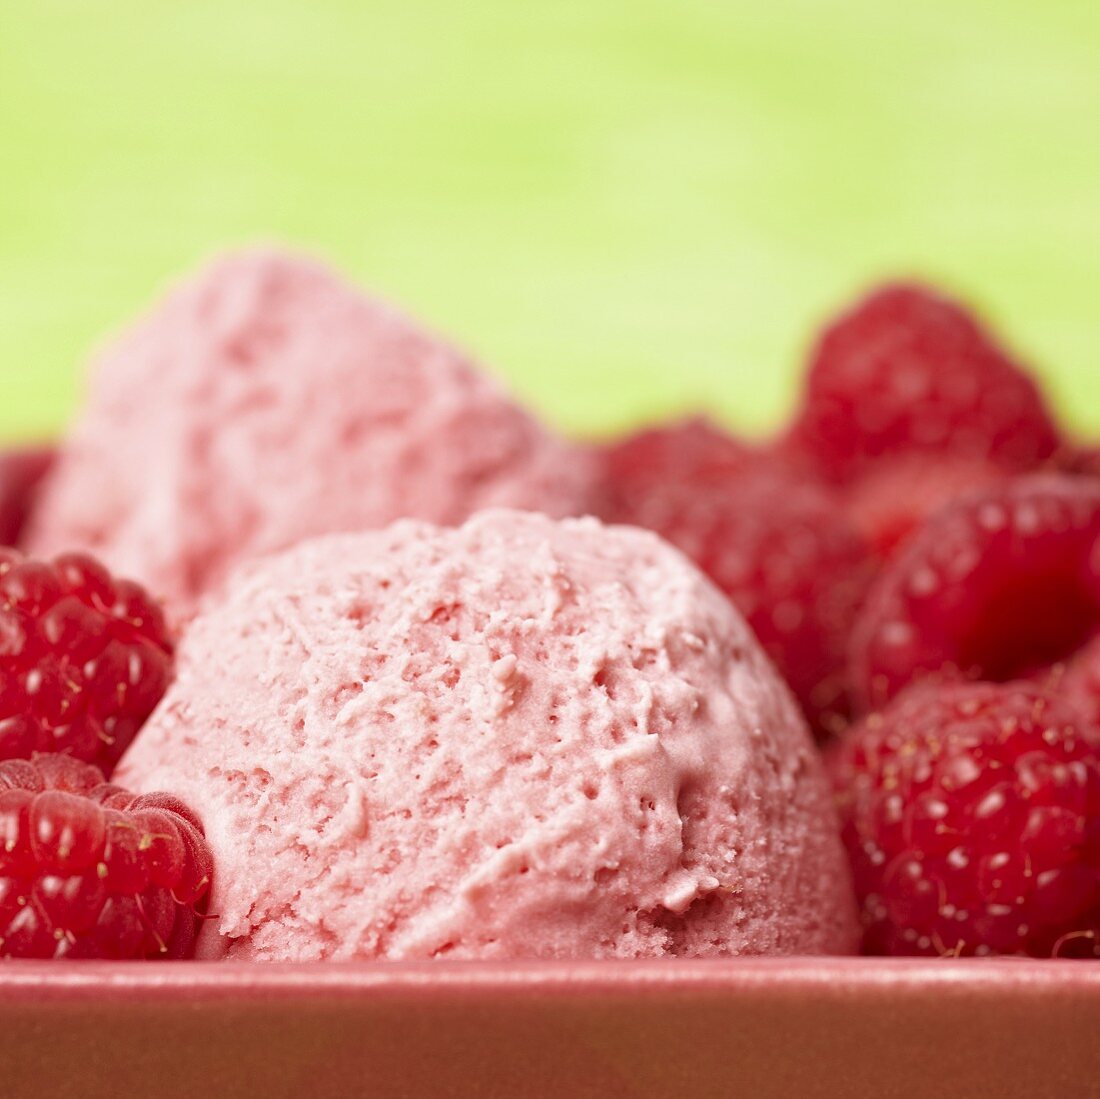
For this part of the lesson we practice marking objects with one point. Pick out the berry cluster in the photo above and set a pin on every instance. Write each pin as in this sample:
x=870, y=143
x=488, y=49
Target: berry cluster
x=920, y=551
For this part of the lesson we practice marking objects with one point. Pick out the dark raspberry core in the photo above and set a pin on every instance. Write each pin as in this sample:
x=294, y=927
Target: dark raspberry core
x=88, y=870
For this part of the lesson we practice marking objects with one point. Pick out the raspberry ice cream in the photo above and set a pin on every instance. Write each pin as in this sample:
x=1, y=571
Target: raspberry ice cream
x=265, y=401
x=515, y=738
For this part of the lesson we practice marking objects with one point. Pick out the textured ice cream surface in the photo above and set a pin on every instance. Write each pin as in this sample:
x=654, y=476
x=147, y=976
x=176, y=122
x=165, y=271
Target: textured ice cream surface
x=265, y=401
x=518, y=738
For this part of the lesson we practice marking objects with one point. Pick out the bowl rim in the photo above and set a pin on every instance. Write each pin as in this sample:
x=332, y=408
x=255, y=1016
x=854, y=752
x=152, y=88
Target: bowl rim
x=739, y=977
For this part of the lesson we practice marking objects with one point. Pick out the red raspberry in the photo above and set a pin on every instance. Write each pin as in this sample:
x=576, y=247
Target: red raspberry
x=645, y=473
x=1002, y=584
x=21, y=472
x=777, y=544
x=908, y=371
x=84, y=658
x=896, y=495
x=971, y=814
x=88, y=870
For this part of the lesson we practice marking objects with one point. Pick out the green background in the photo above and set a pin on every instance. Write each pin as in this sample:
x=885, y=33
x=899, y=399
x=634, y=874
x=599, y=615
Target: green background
x=626, y=207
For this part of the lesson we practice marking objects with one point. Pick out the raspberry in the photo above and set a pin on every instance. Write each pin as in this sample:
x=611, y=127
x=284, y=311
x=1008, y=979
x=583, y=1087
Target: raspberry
x=21, y=472
x=908, y=371
x=88, y=870
x=1000, y=585
x=777, y=544
x=645, y=473
x=895, y=496
x=84, y=658
x=971, y=814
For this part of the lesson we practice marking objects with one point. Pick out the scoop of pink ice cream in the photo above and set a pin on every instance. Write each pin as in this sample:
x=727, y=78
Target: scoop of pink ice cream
x=519, y=738
x=265, y=401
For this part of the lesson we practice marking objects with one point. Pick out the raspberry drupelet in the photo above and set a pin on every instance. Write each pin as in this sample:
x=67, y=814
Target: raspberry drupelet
x=910, y=371
x=84, y=658
x=88, y=870
x=971, y=815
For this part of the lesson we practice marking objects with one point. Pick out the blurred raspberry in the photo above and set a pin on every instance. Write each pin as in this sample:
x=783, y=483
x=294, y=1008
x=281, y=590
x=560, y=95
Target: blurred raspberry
x=971, y=814
x=646, y=473
x=21, y=472
x=1002, y=584
x=909, y=371
x=88, y=870
x=778, y=544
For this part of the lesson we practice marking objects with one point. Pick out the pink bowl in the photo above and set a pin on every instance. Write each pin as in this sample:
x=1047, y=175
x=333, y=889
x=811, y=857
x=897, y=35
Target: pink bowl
x=769, y=1027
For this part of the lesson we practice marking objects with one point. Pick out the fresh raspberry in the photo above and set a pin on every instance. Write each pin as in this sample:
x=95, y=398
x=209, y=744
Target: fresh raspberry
x=88, y=870
x=1002, y=584
x=893, y=497
x=777, y=544
x=84, y=658
x=21, y=472
x=909, y=371
x=971, y=814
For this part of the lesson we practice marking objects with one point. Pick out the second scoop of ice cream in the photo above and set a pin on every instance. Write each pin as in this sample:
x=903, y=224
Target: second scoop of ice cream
x=517, y=738
x=265, y=401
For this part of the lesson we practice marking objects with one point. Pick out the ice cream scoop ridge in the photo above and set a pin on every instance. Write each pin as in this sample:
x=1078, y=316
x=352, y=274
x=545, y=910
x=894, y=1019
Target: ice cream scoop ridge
x=518, y=738
x=265, y=401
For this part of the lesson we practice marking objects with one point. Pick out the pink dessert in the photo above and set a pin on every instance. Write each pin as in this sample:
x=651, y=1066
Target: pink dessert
x=265, y=401
x=519, y=738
